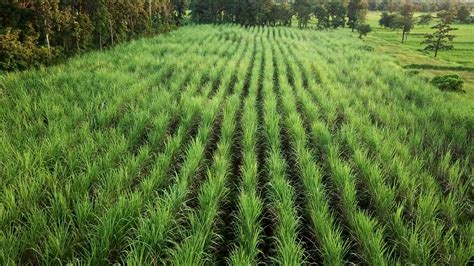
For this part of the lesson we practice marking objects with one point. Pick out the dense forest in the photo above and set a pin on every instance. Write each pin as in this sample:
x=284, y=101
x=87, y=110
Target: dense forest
x=35, y=32
x=38, y=32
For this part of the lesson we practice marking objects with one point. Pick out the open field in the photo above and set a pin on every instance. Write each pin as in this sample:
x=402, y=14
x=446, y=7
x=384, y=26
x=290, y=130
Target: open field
x=220, y=144
x=388, y=42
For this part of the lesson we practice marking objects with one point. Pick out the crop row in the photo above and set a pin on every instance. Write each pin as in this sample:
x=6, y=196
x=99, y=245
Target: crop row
x=271, y=146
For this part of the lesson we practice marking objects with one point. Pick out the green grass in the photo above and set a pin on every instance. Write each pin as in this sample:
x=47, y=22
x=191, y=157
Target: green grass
x=223, y=144
x=248, y=227
x=460, y=59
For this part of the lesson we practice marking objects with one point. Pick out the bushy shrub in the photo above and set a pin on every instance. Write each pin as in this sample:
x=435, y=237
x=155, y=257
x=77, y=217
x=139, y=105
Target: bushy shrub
x=448, y=82
x=388, y=20
x=363, y=29
x=16, y=54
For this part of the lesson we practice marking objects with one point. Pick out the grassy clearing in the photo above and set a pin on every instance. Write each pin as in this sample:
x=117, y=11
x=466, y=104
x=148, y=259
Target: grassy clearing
x=459, y=61
x=131, y=155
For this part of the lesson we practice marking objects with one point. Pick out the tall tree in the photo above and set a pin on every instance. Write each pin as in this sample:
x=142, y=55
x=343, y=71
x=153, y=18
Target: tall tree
x=101, y=18
x=425, y=19
x=303, y=12
x=281, y=14
x=463, y=14
x=203, y=11
x=356, y=13
x=322, y=16
x=264, y=9
x=439, y=39
x=407, y=20
x=337, y=14
x=48, y=13
x=179, y=7
x=389, y=20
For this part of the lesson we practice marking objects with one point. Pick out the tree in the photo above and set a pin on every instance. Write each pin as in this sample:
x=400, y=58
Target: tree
x=388, y=20
x=246, y=12
x=179, y=7
x=438, y=40
x=382, y=6
x=337, y=14
x=264, y=8
x=356, y=13
x=44, y=31
x=372, y=6
x=322, y=15
x=202, y=11
x=331, y=14
x=406, y=20
x=363, y=29
x=100, y=18
x=230, y=9
x=463, y=14
x=281, y=15
x=48, y=12
x=16, y=54
x=303, y=12
x=425, y=19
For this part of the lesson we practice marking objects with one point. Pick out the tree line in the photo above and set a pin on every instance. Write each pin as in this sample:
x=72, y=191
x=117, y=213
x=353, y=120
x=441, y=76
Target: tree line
x=405, y=20
x=332, y=14
x=439, y=40
x=36, y=32
x=419, y=6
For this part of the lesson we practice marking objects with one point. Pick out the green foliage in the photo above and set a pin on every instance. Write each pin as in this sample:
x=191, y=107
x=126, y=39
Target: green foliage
x=322, y=15
x=367, y=48
x=439, y=67
x=448, y=82
x=330, y=15
x=337, y=14
x=463, y=14
x=356, y=13
x=17, y=54
x=244, y=12
x=281, y=15
x=235, y=145
x=363, y=29
x=407, y=20
x=389, y=20
x=425, y=19
x=66, y=27
x=205, y=11
x=438, y=40
x=302, y=10
x=403, y=20
x=178, y=8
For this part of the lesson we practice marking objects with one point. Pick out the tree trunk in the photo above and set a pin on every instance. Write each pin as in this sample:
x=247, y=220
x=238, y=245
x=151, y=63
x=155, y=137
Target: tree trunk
x=100, y=39
x=111, y=32
x=149, y=11
x=438, y=42
x=47, y=42
x=47, y=34
x=77, y=41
